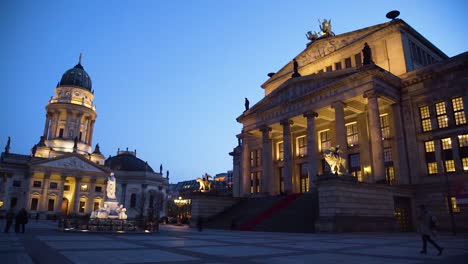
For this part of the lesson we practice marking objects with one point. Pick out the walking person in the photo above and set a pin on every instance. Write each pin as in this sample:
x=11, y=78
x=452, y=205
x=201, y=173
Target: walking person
x=21, y=220
x=426, y=226
x=10, y=216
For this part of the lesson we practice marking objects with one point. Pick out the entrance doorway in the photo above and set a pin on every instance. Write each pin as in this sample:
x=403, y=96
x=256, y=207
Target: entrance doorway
x=403, y=213
x=64, y=206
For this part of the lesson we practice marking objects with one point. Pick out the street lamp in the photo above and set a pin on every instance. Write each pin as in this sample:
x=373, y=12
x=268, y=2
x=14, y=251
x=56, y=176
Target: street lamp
x=180, y=202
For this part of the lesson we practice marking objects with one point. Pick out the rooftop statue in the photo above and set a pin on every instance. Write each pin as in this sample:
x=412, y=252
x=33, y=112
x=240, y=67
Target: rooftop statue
x=246, y=104
x=205, y=184
x=336, y=163
x=326, y=28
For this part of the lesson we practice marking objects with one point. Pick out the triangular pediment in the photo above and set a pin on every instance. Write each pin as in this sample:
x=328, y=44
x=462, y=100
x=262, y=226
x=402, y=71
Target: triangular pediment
x=71, y=163
x=325, y=46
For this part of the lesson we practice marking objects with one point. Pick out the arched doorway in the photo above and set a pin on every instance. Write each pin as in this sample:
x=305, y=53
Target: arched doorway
x=64, y=206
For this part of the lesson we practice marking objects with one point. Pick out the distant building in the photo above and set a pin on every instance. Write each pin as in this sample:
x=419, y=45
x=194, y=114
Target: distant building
x=63, y=175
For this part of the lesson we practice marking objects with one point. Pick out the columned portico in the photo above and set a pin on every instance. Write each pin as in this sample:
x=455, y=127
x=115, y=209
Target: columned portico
x=267, y=173
x=378, y=166
x=287, y=148
x=311, y=148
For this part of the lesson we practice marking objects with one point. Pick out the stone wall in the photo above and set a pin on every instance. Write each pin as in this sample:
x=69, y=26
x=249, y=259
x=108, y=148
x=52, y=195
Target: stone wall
x=346, y=205
x=209, y=206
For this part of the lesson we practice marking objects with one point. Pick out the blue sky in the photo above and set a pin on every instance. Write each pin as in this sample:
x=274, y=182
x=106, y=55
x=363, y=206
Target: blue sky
x=170, y=77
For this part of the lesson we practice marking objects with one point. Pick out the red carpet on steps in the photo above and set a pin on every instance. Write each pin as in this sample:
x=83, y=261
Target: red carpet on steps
x=251, y=224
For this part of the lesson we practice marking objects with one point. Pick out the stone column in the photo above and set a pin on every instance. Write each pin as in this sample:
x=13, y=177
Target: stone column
x=6, y=189
x=58, y=206
x=91, y=196
x=311, y=148
x=245, y=179
x=288, y=159
x=267, y=161
x=237, y=170
x=91, y=132
x=340, y=129
x=378, y=166
x=45, y=190
x=27, y=187
x=46, y=127
x=456, y=154
x=76, y=196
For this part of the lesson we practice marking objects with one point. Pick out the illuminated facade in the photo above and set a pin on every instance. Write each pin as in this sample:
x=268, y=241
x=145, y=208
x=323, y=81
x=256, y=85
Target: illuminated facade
x=63, y=175
x=400, y=120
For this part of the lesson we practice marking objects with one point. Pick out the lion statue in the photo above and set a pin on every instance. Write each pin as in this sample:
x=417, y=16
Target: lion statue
x=332, y=157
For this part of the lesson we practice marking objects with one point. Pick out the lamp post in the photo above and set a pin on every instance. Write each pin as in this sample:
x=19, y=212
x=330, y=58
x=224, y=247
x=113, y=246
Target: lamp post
x=180, y=203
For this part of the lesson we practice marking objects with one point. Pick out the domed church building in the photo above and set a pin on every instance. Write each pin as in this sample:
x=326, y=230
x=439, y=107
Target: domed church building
x=64, y=175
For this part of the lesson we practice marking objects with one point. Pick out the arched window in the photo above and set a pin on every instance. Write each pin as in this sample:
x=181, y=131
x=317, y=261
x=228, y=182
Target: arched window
x=133, y=200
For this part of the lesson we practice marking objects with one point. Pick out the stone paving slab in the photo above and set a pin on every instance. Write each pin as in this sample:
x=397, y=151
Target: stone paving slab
x=67, y=237
x=185, y=243
x=148, y=237
x=239, y=251
x=98, y=245
x=123, y=256
x=329, y=258
x=411, y=252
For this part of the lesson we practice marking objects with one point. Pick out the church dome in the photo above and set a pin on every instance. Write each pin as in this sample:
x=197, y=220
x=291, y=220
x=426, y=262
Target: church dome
x=127, y=162
x=77, y=77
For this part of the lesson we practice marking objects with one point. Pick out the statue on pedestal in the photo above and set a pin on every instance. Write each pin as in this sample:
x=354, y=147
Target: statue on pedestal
x=111, y=186
x=336, y=163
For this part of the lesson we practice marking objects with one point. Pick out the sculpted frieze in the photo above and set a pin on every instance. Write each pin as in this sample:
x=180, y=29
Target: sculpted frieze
x=71, y=163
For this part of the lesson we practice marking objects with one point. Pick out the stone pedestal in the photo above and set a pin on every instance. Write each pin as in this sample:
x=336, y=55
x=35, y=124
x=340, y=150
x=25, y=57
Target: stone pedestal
x=112, y=205
x=346, y=205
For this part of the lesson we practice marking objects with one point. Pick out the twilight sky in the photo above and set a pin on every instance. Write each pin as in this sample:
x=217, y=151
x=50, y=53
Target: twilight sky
x=170, y=77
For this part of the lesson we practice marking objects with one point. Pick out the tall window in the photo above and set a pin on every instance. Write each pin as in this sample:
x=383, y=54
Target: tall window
x=425, y=118
x=352, y=134
x=50, y=205
x=338, y=66
x=252, y=158
x=448, y=155
x=96, y=206
x=430, y=157
x=304, y=177
x=347, y=63
x=441, y=114
x=458, y=111
x=61, y=133
x=280, y=147
x=358, y=60
x=258, y=157
x=355, y=166
x=385, y=126
x=81, y=209
x=302, y=146
x=133, y=200
x=34, y=202
x=255, y=182
x=463, y=150
x=389, y=169
x=325, y=140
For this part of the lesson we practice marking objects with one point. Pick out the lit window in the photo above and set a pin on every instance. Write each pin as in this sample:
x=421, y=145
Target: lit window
x=325, y=140
x=302, y=146
x=352, y=134
x=425, y=118
x=84, y=188
x=390, y=174
x=432, y=168
x=465, y=164
x=455, y=207
x=446, y=143
x=458, y=111
x=463, y=140
x=449, y=166
x=280, y=147
x=429, y=145
x=258, y=157
x=441, y=114
x=355, y=166
x=385, y=126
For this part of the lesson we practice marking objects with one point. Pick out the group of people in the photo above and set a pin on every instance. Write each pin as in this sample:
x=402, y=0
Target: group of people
x=20, y=218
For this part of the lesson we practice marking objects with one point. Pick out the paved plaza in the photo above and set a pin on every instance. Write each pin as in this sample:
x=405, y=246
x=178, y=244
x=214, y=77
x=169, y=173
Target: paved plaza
x=173, y=244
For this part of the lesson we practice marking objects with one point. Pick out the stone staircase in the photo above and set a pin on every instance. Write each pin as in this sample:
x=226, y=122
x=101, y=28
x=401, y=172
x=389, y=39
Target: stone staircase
x=292, y=213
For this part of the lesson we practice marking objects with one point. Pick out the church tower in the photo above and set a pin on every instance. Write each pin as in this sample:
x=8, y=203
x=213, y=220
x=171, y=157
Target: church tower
x=70, y=118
